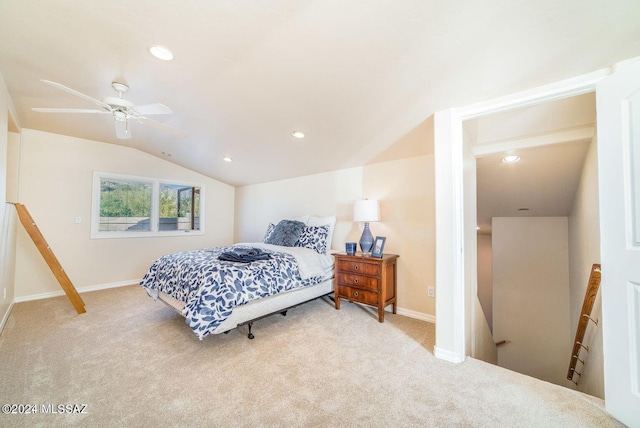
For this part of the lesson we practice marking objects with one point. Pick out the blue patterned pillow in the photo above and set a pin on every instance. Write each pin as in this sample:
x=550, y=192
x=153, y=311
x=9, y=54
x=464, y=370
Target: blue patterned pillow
x=268, y=233
x=315, y=238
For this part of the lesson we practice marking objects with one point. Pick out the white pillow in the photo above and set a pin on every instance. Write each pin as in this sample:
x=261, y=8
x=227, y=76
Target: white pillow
x=322, y=221
x=302, y=218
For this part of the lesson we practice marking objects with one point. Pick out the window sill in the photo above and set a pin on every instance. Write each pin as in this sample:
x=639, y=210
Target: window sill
x=120, y=235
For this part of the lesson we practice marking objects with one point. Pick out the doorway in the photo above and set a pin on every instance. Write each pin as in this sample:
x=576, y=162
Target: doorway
x=526, y=207
x=456, y=214
x=456, y=264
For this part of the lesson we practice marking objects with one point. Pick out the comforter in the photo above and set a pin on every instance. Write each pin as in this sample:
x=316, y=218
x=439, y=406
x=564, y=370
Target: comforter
x=211, y=288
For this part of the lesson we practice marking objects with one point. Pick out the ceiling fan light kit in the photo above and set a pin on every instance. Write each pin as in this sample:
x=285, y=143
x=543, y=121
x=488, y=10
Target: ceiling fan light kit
x=121, y=109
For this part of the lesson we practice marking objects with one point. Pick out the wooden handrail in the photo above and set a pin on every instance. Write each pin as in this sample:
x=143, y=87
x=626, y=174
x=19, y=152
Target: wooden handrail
x=585, y=316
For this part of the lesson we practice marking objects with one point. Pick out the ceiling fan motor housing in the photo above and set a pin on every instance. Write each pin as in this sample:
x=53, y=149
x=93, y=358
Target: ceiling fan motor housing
x=118, y=102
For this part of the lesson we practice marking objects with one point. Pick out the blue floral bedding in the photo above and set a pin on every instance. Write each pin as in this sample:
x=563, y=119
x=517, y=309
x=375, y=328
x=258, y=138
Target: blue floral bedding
x=211, y=288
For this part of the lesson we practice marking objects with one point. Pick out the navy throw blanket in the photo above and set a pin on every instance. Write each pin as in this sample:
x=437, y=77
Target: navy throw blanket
x=244, y=255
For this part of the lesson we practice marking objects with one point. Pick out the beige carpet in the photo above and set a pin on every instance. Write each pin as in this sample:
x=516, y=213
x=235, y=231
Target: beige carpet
x=134, y=362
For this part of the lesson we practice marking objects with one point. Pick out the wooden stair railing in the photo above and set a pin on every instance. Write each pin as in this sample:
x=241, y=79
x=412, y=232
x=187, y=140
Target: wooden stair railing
x=50, y=258
x=585, y=316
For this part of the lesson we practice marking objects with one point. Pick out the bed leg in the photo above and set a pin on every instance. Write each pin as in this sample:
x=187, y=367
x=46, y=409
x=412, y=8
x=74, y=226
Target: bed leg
x=284, y=313
x=250, y=335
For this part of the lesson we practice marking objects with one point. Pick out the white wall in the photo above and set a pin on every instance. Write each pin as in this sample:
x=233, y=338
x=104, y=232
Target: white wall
x=584, y=251
x=531, y=296
x=483, y=346
x=405, y=189
x=452, y=334
x=325, y=194
x=55, y=184
x=6, y=245
x=485, y=278
x=13, y=163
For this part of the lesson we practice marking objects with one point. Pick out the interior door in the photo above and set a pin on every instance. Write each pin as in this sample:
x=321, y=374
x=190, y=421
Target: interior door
x=618, y=106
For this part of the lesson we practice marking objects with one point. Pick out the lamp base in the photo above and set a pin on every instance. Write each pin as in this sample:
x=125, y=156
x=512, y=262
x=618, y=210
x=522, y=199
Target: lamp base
x=366, y=240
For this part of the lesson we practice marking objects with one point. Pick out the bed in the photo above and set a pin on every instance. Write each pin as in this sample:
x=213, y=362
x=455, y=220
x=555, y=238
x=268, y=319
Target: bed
x=217, y=295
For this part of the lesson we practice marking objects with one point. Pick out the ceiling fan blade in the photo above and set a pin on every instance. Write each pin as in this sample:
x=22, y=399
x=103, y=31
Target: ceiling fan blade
x=123, y=131
x=77, y=94
x=156, y=108
x=163, y=126
x=68, y=110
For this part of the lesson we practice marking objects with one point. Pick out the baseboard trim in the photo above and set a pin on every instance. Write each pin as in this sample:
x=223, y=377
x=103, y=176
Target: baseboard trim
x=446, y=355
x=417, y=315
x=404, y=312
x=6, y=316
x=86, y=289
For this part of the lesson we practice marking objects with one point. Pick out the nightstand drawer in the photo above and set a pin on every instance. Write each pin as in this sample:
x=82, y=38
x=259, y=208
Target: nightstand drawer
x=358, y=281
x=356, y=295
x=359, y=267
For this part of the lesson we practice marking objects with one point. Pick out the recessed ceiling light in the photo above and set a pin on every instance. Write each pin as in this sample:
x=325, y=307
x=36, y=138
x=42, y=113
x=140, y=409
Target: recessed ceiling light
x=161, y=52
x=298, y=134
x=511, y=159
x=166, y=154
x=227, y=159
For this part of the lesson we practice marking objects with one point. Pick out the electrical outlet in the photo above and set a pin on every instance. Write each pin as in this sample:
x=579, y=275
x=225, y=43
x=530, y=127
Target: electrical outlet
x=4, y=294
x=78, y=220
x=431, y=292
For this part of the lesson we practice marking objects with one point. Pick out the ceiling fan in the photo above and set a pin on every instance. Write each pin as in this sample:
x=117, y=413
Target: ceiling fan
x=121, y=109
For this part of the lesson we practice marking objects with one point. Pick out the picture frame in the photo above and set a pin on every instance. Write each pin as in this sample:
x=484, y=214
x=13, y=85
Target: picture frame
x=378, y=246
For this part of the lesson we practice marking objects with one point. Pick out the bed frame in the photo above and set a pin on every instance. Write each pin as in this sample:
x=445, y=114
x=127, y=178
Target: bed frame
x=262, y=308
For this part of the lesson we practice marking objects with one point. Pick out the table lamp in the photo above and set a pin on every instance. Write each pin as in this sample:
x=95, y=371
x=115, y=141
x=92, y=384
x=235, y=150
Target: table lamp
x=366, y=210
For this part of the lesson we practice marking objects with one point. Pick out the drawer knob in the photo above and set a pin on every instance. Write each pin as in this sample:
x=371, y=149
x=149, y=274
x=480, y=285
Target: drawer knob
x=355, y=294
x=355, y=281
x=356, y=267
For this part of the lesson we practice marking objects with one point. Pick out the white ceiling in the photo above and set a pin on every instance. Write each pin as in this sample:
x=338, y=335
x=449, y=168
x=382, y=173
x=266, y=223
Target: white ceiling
x=360, y=77
x=551, y=139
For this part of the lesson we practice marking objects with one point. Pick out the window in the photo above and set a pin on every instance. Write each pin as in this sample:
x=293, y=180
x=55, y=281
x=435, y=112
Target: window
x=125, y=205
x=179, y=207
x=128, y=206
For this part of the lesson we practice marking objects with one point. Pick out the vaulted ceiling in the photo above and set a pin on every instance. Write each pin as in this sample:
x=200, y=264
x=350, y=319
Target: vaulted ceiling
x=359, y=77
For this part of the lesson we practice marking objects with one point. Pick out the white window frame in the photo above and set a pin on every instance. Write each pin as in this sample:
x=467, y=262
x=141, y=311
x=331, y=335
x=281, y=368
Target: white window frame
x=155, y=207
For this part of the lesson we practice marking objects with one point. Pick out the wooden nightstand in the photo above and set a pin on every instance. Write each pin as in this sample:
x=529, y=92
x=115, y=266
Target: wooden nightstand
x=367, y=280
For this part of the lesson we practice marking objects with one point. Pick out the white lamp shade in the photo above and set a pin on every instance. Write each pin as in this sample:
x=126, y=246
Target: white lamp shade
x=366, y=210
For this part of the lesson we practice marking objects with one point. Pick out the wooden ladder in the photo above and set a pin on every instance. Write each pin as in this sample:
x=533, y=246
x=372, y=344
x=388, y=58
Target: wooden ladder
x=50, y=258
